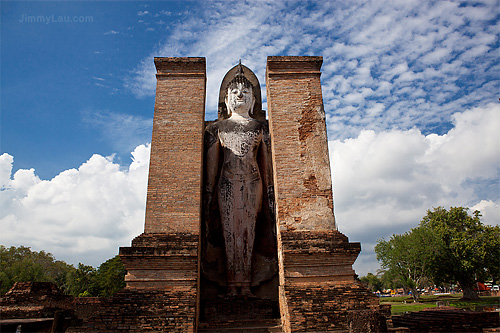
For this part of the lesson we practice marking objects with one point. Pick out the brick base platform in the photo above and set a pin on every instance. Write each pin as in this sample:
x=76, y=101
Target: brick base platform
x=159, y=261
x=320, y=290
x=162, y=284
x=328, y=307
x=36, y=307
x=239, y=314
x=135, y=310
x=239, y=308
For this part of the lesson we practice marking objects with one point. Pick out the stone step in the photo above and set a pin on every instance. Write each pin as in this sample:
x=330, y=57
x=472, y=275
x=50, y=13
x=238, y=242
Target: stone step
x=255, y=326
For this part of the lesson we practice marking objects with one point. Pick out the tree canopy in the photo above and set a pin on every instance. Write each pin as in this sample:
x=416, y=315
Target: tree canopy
x=407, y=257
x=373, y=282
x=21, y=264
x=448, y=246
x=464, y=250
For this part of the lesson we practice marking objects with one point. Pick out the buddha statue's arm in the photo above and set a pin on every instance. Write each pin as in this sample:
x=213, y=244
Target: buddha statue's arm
x=267, y=168
x=211, y=167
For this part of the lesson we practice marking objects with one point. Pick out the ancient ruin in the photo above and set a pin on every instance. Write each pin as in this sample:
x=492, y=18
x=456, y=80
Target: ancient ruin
x=239, y=218
x=240, y=233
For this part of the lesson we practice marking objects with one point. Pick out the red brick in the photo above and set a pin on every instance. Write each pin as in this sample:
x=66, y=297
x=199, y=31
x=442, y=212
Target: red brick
x=175, y=171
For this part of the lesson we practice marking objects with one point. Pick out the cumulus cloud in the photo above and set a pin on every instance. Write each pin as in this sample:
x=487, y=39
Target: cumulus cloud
x=384, y=182
x=81, y=215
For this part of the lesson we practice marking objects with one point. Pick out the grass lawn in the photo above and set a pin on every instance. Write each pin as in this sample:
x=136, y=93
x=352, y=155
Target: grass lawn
x=403, y=304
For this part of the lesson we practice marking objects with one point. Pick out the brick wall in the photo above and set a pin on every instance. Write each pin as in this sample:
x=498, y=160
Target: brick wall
x=326, y=307
x=320, y=286
x=157, y=261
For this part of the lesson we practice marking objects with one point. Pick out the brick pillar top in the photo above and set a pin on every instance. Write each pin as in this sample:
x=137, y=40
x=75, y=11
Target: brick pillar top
x=297, y=124
x=180, y=65
x=175, y=171
x=294, y=64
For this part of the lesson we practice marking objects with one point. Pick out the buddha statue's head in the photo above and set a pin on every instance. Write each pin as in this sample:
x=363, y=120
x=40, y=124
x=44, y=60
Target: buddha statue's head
x=240, y=93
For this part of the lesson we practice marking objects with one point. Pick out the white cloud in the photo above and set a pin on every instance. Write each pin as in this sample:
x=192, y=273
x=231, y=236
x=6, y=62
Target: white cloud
x=421, y=61
x=384, y=182
x=81, y=215
x=490, y=211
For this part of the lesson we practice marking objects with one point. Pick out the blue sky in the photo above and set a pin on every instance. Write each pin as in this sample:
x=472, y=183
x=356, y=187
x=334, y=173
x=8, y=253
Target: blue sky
x=410, y=89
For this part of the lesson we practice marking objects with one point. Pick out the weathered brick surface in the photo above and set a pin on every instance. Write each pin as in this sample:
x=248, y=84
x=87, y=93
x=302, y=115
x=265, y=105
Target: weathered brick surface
x=448, y=319
x=162, y=263
x=175, y=170
x=364, y=321
x=156, y=261
x=174, y=243
x=33, y=300
x=167, y=310
x=236, y=308
x=318, y=257
x=325, y=307
x=318, y=287
x=36, y=307
x=170, y=309
x=300, y=148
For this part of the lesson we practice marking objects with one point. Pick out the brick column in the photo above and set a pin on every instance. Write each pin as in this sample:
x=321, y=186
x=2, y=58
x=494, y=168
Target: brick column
x=300, y=148
x=317, y=282
x=175, y=169
x=162, y=263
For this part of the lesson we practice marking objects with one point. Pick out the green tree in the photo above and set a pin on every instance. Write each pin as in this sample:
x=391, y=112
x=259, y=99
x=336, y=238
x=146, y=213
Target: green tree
x=110, y=277
x=86, y=281
x=463, y=249
x=81, y=282
x=20, y=264
x=390, y=279
x=372, y=281
x=406, y=257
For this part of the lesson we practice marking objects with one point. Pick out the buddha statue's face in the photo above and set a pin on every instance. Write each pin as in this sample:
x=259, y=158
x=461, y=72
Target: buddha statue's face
x=240, y=99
